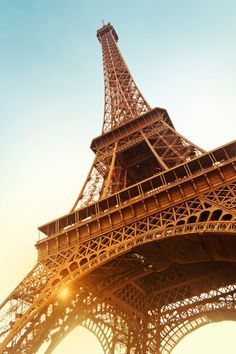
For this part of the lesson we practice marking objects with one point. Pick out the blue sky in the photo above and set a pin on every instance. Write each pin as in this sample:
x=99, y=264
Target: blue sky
x=182, y=55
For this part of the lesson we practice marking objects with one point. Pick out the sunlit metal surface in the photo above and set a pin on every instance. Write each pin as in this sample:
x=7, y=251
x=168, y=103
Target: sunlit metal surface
x=147, y=253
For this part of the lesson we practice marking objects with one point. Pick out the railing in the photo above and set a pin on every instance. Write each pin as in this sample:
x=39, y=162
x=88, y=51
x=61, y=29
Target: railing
x=199, y=165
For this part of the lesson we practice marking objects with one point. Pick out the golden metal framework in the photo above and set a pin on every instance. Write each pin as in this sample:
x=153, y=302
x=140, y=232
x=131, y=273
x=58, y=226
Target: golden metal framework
x=147, y=253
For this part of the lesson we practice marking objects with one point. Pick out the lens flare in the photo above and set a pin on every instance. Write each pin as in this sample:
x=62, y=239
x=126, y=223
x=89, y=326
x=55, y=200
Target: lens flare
x=63, y=294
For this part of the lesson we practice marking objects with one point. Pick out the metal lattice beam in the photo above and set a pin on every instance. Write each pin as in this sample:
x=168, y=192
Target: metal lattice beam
x=148, y=252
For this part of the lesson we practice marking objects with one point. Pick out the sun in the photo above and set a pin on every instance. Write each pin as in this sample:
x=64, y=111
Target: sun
x=64, y=293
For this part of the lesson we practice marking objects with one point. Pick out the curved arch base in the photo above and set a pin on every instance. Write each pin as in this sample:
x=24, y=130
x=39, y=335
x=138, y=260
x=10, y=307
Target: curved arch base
x=150, y=323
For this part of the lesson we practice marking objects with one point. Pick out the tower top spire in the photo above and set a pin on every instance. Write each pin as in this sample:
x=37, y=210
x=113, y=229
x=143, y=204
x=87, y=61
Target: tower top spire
x=123, y=100
x=105, y=30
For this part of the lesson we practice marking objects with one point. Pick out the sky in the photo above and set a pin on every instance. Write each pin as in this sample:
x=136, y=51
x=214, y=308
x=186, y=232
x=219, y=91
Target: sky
x=182, y=56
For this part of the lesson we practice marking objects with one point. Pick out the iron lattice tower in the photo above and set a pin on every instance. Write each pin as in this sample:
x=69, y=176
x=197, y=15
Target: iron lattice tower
x=147, y=252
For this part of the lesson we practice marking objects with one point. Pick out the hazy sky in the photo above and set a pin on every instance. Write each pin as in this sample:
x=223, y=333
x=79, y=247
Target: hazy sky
x=182, y=55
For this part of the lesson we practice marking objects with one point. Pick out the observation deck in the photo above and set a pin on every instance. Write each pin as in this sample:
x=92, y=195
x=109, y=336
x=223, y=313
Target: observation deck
x=199, y=175
x=105, y=29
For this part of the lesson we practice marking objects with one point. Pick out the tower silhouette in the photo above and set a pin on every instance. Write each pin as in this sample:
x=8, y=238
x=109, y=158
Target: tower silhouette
x=147, y=252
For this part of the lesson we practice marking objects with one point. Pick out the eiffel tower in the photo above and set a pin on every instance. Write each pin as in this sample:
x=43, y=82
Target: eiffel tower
x=147, y=253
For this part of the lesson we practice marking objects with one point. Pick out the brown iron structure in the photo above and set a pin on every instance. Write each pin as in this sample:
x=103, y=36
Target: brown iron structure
x=147, y=253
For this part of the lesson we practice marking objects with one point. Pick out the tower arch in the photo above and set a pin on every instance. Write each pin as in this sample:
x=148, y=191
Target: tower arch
x=148, y=244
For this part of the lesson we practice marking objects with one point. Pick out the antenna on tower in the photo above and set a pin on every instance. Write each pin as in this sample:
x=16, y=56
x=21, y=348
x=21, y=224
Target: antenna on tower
x=103, y=23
